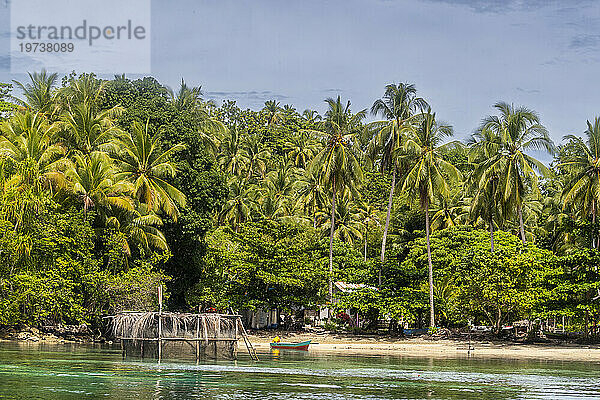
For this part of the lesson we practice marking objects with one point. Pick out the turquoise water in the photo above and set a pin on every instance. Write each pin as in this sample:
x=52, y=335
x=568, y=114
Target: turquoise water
x=30, y=371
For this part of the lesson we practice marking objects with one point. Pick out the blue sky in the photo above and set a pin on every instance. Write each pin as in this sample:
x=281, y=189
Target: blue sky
x=463, y=55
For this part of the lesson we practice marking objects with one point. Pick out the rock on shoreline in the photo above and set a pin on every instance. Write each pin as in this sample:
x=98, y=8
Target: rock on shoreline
x=52, y=334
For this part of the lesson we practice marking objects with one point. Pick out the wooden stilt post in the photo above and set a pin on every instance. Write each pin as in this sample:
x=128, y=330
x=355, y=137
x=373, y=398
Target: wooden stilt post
x=159, y=323
x=198, y=338
x=217, y=336
x=204, y=327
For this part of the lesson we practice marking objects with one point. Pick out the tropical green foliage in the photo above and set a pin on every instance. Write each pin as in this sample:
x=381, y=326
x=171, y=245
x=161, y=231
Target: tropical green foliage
x=110, y=188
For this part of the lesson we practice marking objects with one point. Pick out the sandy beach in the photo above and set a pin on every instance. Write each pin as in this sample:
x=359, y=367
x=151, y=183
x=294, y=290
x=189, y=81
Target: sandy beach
x=419, y=347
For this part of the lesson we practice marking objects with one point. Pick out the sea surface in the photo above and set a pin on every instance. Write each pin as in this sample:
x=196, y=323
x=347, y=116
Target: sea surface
x=40, y=371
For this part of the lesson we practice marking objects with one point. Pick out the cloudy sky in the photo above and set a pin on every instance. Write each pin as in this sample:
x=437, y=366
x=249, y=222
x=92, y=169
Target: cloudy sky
x=463, y=55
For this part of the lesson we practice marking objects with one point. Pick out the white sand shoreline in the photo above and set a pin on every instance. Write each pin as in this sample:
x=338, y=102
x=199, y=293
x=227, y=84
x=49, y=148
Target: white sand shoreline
x=443, y=348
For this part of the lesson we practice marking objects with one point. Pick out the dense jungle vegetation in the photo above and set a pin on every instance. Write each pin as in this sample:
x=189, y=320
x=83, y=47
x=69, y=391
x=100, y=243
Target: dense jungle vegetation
x=110, y=188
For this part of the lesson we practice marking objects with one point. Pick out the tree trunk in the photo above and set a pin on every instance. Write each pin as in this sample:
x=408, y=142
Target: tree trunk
x=331, y=245
x=594, y=244
x=387, y=221
x=366, y=233
x=432, y=311
x=499, y=322
x=521, y=226
x=492, y=233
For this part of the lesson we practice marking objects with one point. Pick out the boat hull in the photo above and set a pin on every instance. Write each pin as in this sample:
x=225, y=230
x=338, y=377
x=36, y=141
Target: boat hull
x=302, y=346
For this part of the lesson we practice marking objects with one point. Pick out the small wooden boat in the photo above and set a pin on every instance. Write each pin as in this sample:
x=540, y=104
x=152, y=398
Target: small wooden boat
x=291, y=346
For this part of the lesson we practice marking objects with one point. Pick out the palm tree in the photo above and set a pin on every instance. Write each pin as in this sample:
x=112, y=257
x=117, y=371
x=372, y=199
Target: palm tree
x=26, y=139
x=241, y=202
x=582, y=190
x=232, y=158
x=273, y=112
x=86, y=90
x=87, y=130
x=337, y=164
x=39, y=94
x=311, y=194
x=429, y=175
x=301, y=148
x=449, y=211
x=368, y=215
x=256, y=156
x=311, y=116
x=519, y=130
x=271, y=203
x=94, y=182
x=282, y=179
x=210, y=129
x=484, y=146
x=348, y=226
x=187, y=98
x=142, y=162
x=139, y=226
x=398, y=106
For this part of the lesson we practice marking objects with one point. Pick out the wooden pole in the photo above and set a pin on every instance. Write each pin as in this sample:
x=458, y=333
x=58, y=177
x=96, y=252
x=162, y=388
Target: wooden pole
x=198, y=337
x=217, y=335
x=159, y=323
x=205, y=332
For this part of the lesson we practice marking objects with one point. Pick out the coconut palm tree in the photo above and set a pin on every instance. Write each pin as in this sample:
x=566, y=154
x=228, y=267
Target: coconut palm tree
x=368, y=215
x=337, y=164
x=256, y=156
x=310, y=117
x=241, y=203
x=301, y=148
x=142, y=162
x=94, y=182
x=520, y=130
x=87, y=130
x=271, y=203
x=282, y=179
x=398, y=106
x=187, y=98
x=449, y=211
x=232, y=158
x=140, y=227
x=39, y=94
x=311, y=194
x=272, y=111
x=484, y=145
x=582, y=162
x=348, y=226
x=429, y=175
x=27, y=139
x=86, y=90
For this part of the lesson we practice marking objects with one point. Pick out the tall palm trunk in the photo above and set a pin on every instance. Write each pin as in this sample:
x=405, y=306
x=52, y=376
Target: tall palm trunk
x=366, y=232
x=331, y=244
x=521, y=226
x=431, y=309
x=387, y=221
x=492, y=233
x=594, y=244
x=492, y=212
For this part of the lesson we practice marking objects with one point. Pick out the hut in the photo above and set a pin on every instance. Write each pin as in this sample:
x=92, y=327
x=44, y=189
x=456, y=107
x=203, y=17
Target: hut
x=179, y=335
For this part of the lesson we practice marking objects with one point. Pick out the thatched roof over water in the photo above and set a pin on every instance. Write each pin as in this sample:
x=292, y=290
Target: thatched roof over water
x=137, y=325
